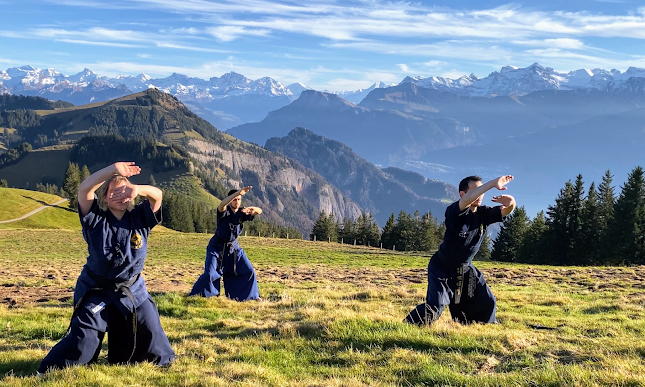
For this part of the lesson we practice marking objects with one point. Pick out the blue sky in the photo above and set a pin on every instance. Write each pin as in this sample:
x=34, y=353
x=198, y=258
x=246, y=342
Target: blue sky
x=325, y=44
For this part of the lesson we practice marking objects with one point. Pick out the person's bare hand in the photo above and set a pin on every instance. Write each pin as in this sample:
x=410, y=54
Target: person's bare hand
x=504, y=200
x=125, y=193
x=245, y=190
x=247, y=210
x=502, y=181
x=127, y=169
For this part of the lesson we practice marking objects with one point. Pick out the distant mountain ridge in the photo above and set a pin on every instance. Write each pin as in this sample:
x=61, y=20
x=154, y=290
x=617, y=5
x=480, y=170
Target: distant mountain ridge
x=381, y=136
x=224, y=101
x=511, y=80
x=380, y=192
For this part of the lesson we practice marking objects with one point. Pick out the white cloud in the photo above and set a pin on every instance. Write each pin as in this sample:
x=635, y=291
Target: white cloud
x=565, y=43
x=404, y=67
x=94, y=43
x=229, y=33
x=435, y=63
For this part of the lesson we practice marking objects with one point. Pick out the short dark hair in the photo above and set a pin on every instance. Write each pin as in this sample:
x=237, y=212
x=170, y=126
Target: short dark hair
x=231, y=192
x=463, y=185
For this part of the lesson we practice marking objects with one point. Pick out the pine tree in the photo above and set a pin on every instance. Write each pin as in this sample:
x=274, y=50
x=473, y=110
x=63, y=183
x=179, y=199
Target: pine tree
x=179, y=214
x=152, y=181
x=564, y=223
x=406, y=229
x=606, y=203
x=429, y=229
x=388, y=237
x=318, y=232
x=533, y=249
x=71, y=183
x=627, y=219
x=484, y=252
x=347, y=232
x=331, y=228
x=587, y=240
x=3, y=183
x=85, y=173
x=361, y=230
x=509, y=240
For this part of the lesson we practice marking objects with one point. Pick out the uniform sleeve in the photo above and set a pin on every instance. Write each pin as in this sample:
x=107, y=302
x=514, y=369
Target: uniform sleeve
x=149, y=218
x=493, y=215
x=93, y=216
x=453, y=213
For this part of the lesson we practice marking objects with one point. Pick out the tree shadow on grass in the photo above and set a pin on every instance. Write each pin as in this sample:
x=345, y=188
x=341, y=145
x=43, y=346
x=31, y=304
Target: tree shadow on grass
x=42, y=202
x=47, y=204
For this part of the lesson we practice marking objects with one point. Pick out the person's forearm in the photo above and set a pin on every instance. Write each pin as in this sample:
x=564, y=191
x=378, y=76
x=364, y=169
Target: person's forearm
x=153, y=194
x=228, y=199
x=94, y=181
x=474, y=193
x=507, y=210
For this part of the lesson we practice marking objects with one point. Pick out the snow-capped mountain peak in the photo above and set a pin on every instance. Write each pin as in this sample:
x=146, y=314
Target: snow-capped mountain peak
x=511, y=80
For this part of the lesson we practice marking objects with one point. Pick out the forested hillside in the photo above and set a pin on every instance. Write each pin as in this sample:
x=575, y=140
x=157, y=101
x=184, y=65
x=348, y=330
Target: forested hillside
x=159, y=133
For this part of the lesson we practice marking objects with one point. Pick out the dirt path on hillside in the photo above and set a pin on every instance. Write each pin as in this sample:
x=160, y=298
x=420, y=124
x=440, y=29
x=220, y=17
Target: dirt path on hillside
x=56, y=284
x=34, y=212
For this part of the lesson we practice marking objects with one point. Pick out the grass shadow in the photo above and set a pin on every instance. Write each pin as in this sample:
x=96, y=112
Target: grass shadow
x=19, y=368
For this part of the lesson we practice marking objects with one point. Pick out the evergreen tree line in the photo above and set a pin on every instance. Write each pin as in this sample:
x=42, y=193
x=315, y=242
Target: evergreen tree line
x=582, y=228
x=74, y=176
x=407, y=232
x=19, y=119
x=182, y=213
x=14, y=155
x=91, y=150
x=15, y=102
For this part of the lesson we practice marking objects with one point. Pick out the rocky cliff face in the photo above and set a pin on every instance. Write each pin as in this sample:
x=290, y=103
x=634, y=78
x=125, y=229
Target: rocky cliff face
x=279, y=183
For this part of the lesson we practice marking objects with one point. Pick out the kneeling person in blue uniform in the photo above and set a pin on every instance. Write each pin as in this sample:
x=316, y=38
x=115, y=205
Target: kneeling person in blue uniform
x=453, y=281
x=110, y=294
x=224, y=256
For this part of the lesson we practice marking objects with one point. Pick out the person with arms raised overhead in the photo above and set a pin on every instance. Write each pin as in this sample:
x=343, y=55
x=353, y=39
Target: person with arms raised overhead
x=110, y=294
x=224, y=256
x=453, y=281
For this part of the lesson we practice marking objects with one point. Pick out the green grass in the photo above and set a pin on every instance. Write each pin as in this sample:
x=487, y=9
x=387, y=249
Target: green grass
x=331, y=317
x=189, y=185
x=19, y=202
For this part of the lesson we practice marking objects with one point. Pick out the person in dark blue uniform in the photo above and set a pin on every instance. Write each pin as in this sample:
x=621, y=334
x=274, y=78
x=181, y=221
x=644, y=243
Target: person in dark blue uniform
x=453, y=281
x=224, y=256
x=110, y=294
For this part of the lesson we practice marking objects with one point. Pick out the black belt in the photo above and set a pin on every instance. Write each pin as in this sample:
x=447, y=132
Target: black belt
x=106, y=284
x=226, y=245
x=462, y=270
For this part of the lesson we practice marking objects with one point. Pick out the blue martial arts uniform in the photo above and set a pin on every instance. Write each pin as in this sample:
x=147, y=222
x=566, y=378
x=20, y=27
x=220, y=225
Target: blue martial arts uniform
x=111, y=295
x=226, y=259
x=453, y=281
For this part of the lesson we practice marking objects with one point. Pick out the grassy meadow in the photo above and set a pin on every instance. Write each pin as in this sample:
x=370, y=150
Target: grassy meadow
x=331, y=315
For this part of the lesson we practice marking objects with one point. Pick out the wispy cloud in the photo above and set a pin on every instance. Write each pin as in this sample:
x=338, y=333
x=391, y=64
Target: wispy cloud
x=95, y=43
x=566, y=43
x=229, y=33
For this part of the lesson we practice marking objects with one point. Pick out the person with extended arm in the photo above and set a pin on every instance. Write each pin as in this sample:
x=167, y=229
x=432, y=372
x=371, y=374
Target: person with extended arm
x=110, y=293
x=453, y=281
x=224, y=256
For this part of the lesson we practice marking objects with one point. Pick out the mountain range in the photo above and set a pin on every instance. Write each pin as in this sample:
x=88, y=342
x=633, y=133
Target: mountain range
x=512, y=121
x=544, y=138
x=158, y=132
x=224, y=101
x=379, y=192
